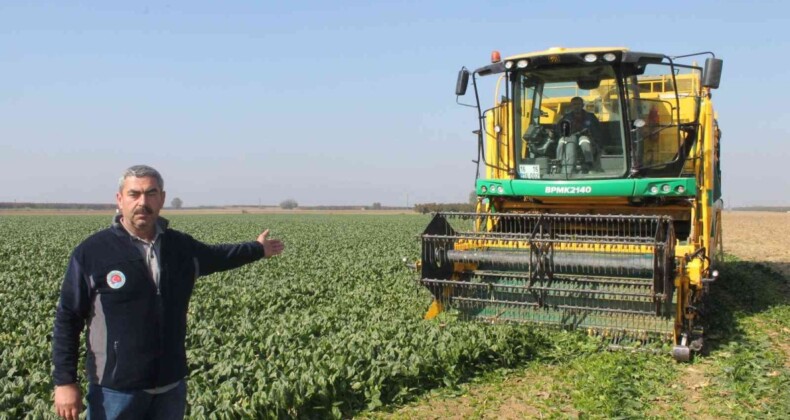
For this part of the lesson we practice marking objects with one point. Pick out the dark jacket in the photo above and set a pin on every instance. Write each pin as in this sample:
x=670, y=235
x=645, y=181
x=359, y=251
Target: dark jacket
x=579, y=121
x=136, y=331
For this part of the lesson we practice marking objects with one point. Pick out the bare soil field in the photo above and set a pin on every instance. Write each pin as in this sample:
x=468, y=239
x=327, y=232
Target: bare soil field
x=758, y=236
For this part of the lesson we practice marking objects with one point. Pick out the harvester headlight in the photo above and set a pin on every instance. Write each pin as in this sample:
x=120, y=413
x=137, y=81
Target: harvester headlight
x=508, y=65
x=680, y=189
x=609, y=57
x=483, y=189
x=522, y=64
x=492, y=188
x=500, y=190
x=654, y=189
x=665, y=188
x=590, y=58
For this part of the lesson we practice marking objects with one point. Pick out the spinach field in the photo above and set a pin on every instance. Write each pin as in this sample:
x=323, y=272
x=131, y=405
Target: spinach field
x=331, y=326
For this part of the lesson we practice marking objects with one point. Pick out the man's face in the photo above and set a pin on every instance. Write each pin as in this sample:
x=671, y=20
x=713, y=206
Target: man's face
x=576, y=106
x=140, y=201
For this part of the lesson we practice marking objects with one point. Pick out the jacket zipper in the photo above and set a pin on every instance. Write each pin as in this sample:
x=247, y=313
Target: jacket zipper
x=161, y=315
x=115, y=354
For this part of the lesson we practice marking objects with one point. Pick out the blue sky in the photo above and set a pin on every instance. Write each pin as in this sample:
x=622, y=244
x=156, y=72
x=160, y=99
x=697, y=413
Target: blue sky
x=344, y=102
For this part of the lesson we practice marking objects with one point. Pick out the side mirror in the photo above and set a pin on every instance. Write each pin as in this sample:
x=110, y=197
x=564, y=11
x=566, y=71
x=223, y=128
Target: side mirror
x=712, y=74
x=462, y=82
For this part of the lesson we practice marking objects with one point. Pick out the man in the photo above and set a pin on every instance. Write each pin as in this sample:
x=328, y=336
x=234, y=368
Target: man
x=578, y=127
x=131, y=284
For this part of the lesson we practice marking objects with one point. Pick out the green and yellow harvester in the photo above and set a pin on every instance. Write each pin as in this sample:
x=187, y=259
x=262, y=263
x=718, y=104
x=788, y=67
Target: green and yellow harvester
x=605, y=219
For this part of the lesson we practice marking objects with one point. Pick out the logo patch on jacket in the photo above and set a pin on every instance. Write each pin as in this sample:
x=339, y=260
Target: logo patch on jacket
x=116, y=279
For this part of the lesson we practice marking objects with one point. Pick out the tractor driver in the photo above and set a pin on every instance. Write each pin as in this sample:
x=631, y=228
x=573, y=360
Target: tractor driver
x=580, y=127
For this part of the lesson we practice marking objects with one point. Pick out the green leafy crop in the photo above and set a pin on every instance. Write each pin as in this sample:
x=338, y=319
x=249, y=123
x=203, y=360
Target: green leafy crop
x=332, y=326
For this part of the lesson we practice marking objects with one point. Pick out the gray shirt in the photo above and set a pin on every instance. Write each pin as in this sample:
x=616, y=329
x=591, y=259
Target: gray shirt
x=150, y=252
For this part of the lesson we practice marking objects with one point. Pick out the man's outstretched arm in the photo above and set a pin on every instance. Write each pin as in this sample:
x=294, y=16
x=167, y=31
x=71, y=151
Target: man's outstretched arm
x=213, y=258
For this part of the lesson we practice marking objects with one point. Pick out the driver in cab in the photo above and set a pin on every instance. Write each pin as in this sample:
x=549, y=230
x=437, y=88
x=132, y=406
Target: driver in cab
x=580, y=127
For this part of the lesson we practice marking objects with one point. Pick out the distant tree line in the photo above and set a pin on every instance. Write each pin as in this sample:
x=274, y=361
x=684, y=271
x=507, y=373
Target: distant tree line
x=374, y=206
x=434, y=207
x=177, y=203
x=61, y=206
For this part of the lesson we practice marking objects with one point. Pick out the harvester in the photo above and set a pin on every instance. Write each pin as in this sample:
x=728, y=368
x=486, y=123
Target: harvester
x=599, y=203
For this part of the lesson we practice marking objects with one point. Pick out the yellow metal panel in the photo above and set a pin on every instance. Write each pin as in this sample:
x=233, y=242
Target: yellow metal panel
x=707, y=179
x=499, y=149
x=682, y=250
x=490, y=141
x=694, y=272
x=435, y=309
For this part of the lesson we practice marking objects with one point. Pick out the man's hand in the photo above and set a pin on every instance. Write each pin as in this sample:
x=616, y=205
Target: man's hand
x=68, y=401
x=271, y=247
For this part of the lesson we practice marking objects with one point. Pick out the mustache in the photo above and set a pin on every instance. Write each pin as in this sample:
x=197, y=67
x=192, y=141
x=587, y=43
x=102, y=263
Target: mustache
x=143, y=210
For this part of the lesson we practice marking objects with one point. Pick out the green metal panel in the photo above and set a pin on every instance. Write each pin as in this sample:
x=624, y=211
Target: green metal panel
x=646, y=187
x=677, y=187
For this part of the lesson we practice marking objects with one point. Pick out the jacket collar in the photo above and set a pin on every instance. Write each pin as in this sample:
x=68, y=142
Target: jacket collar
x=118, y=229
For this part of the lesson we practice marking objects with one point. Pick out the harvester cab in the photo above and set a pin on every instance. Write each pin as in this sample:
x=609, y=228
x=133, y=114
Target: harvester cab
x=599, y=202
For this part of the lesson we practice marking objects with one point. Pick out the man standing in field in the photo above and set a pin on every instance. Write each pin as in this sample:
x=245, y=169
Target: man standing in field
x=131, y=284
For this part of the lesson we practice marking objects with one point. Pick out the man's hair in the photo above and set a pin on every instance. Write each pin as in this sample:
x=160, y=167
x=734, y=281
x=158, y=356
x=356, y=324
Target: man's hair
x=140, y=171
